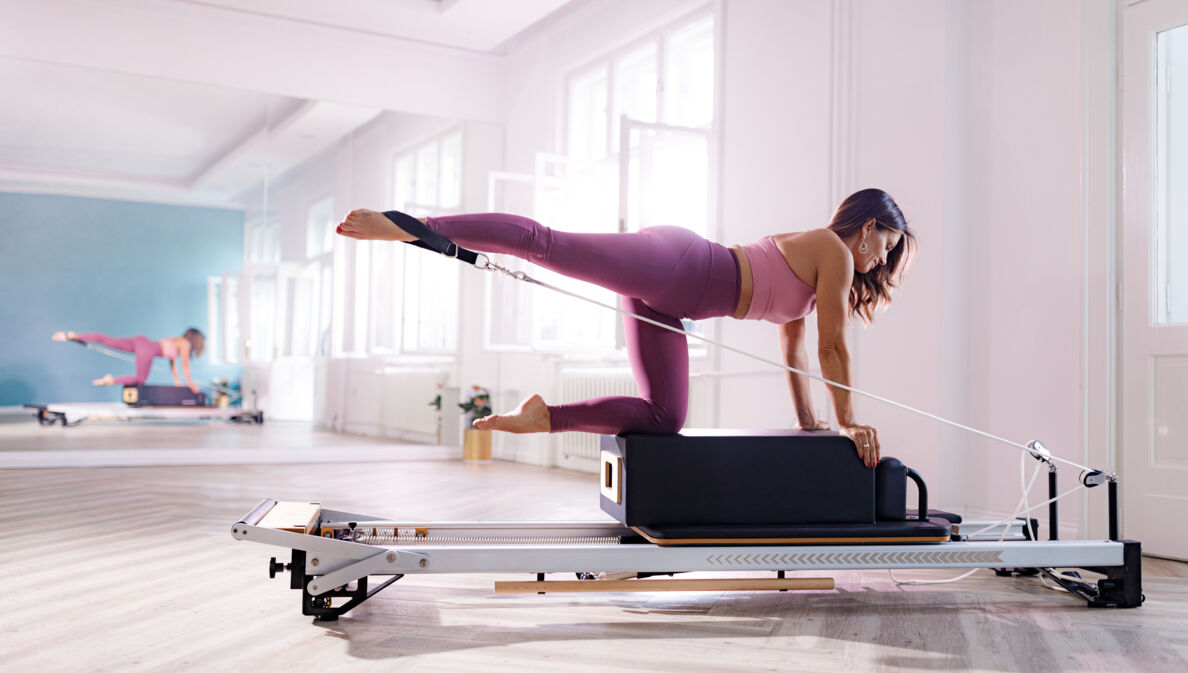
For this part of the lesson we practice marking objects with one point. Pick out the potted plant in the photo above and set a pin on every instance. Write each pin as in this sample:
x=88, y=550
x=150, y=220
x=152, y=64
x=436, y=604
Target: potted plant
x=476, y=445
x=436, y=404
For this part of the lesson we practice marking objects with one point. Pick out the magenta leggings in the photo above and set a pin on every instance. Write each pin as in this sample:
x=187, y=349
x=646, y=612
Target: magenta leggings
x=144, y=349
x=662, y=273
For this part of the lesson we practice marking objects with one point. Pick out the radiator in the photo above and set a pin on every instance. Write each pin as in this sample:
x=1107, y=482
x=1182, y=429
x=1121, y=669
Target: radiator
x=407, y=392
x=581, y=449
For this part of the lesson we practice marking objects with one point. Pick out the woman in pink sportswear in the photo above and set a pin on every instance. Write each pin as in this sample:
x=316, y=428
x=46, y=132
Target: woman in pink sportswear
x=190, y=344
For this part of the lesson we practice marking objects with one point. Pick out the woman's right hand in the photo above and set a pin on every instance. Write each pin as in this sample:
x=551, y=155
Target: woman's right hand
x=866, y=441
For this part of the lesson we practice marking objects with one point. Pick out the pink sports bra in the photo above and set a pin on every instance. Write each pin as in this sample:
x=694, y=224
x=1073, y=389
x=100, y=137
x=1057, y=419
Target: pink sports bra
x=168, y=348
x=779, y=295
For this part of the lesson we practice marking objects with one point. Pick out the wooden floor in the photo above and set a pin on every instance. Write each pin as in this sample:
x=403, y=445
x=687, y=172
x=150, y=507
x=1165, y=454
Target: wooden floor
x=134, y=569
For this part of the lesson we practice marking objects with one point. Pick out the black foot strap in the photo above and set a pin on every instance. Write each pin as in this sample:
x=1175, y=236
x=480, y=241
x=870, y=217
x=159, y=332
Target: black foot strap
x=429, y=239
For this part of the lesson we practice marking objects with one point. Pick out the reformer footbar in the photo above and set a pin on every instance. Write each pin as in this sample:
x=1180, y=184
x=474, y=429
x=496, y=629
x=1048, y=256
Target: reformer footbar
x=332, y=550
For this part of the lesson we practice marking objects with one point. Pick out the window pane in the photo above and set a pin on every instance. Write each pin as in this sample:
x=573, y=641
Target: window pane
x=406, y=176
x=635, y=88
x=689, y=75
x=323, y=345
x=319, y=222
x=451, y=171
x=385, y=297
x=230, y=295
x=300, y=311
x=1171, y=174
x=427, y=176
x=263, y=312
x=362, y=296
x=668, y=180
x=587, y=115
x=430, y=303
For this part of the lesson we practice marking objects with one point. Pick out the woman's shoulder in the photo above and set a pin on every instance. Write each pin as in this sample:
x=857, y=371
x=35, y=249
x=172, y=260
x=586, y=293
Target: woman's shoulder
x=822, y=245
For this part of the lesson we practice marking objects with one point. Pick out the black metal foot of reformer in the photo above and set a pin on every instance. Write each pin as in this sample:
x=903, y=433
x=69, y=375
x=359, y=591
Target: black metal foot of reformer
x=322, y=607
x=1122, y=586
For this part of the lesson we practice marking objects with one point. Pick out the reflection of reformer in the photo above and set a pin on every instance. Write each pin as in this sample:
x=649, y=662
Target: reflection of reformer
x=700, y=501
x=145, y=402
x=73, y=413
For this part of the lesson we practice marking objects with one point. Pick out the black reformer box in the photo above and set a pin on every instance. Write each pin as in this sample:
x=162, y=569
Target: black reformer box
x=162, y=396
x=735, y=477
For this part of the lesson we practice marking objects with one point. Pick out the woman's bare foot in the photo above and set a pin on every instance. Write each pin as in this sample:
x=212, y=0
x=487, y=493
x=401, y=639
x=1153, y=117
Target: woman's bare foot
x=368, y=225
x=531, y=416
x=64, y=336
x=105, y=380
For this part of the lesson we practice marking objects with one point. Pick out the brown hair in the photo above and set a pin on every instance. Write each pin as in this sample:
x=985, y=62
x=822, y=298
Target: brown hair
x=196, y=339
x=872, y=290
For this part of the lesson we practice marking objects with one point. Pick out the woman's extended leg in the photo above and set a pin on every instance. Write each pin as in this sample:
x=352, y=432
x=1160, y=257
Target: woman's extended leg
x=646, y=264
x=126, y=344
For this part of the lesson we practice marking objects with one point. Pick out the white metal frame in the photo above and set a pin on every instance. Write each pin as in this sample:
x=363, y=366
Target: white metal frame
x=338, y=562
x=72, y=413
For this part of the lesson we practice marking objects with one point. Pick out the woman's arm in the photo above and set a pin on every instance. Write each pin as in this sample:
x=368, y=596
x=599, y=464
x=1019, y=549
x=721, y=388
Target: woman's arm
x=173, y=371
x=184, y=351
x=796, y=355
x=835, y=273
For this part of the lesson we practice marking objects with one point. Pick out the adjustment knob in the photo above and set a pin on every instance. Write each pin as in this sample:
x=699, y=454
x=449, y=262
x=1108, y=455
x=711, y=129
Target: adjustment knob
x=274, y=567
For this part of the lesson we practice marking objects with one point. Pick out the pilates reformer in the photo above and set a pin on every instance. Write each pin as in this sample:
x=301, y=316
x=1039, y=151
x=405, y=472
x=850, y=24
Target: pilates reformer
x=773, y=501
x=696, y=515
x=149, y=402
x=73, y=413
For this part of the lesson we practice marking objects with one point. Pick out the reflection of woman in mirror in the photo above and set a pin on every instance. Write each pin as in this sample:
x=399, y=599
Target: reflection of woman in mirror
x=190, y=344
x=846, y=269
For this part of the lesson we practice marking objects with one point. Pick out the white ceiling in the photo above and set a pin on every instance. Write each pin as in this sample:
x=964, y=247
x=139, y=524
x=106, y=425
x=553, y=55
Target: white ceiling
x=67, y=126
x=476, y=25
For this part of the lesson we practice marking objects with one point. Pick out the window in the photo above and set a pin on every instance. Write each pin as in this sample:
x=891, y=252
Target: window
x=414, y=294
x=319, y=227
x=262, y=344
x=263, y=241
x=1171, y=173
x=310, y=290
x=638, y=127
x=222, y=318
x=688, y=92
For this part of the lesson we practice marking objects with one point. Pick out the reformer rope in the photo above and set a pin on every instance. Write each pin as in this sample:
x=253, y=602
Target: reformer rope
x=484, y=263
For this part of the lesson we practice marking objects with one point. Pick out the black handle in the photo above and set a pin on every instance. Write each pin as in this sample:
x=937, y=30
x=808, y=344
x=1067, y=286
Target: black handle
x=922, y=511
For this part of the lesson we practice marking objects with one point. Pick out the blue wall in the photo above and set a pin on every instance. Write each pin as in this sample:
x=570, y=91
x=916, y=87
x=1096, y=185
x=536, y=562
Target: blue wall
x=93, y=265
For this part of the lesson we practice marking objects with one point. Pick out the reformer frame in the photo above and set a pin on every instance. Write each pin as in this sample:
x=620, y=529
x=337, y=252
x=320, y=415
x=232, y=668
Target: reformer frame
x=334, y=553
x=74, y=413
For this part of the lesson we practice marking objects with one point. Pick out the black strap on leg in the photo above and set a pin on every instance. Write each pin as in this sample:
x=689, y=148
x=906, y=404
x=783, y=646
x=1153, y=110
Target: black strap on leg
x=429, y=239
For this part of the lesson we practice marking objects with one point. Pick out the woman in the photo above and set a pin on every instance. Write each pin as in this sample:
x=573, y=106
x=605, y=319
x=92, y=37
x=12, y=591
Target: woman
x=667, y=273
x=190, y=344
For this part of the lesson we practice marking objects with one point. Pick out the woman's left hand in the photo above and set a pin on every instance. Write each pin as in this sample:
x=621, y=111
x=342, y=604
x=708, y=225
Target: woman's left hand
x=194, y=388
x=866, y=441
